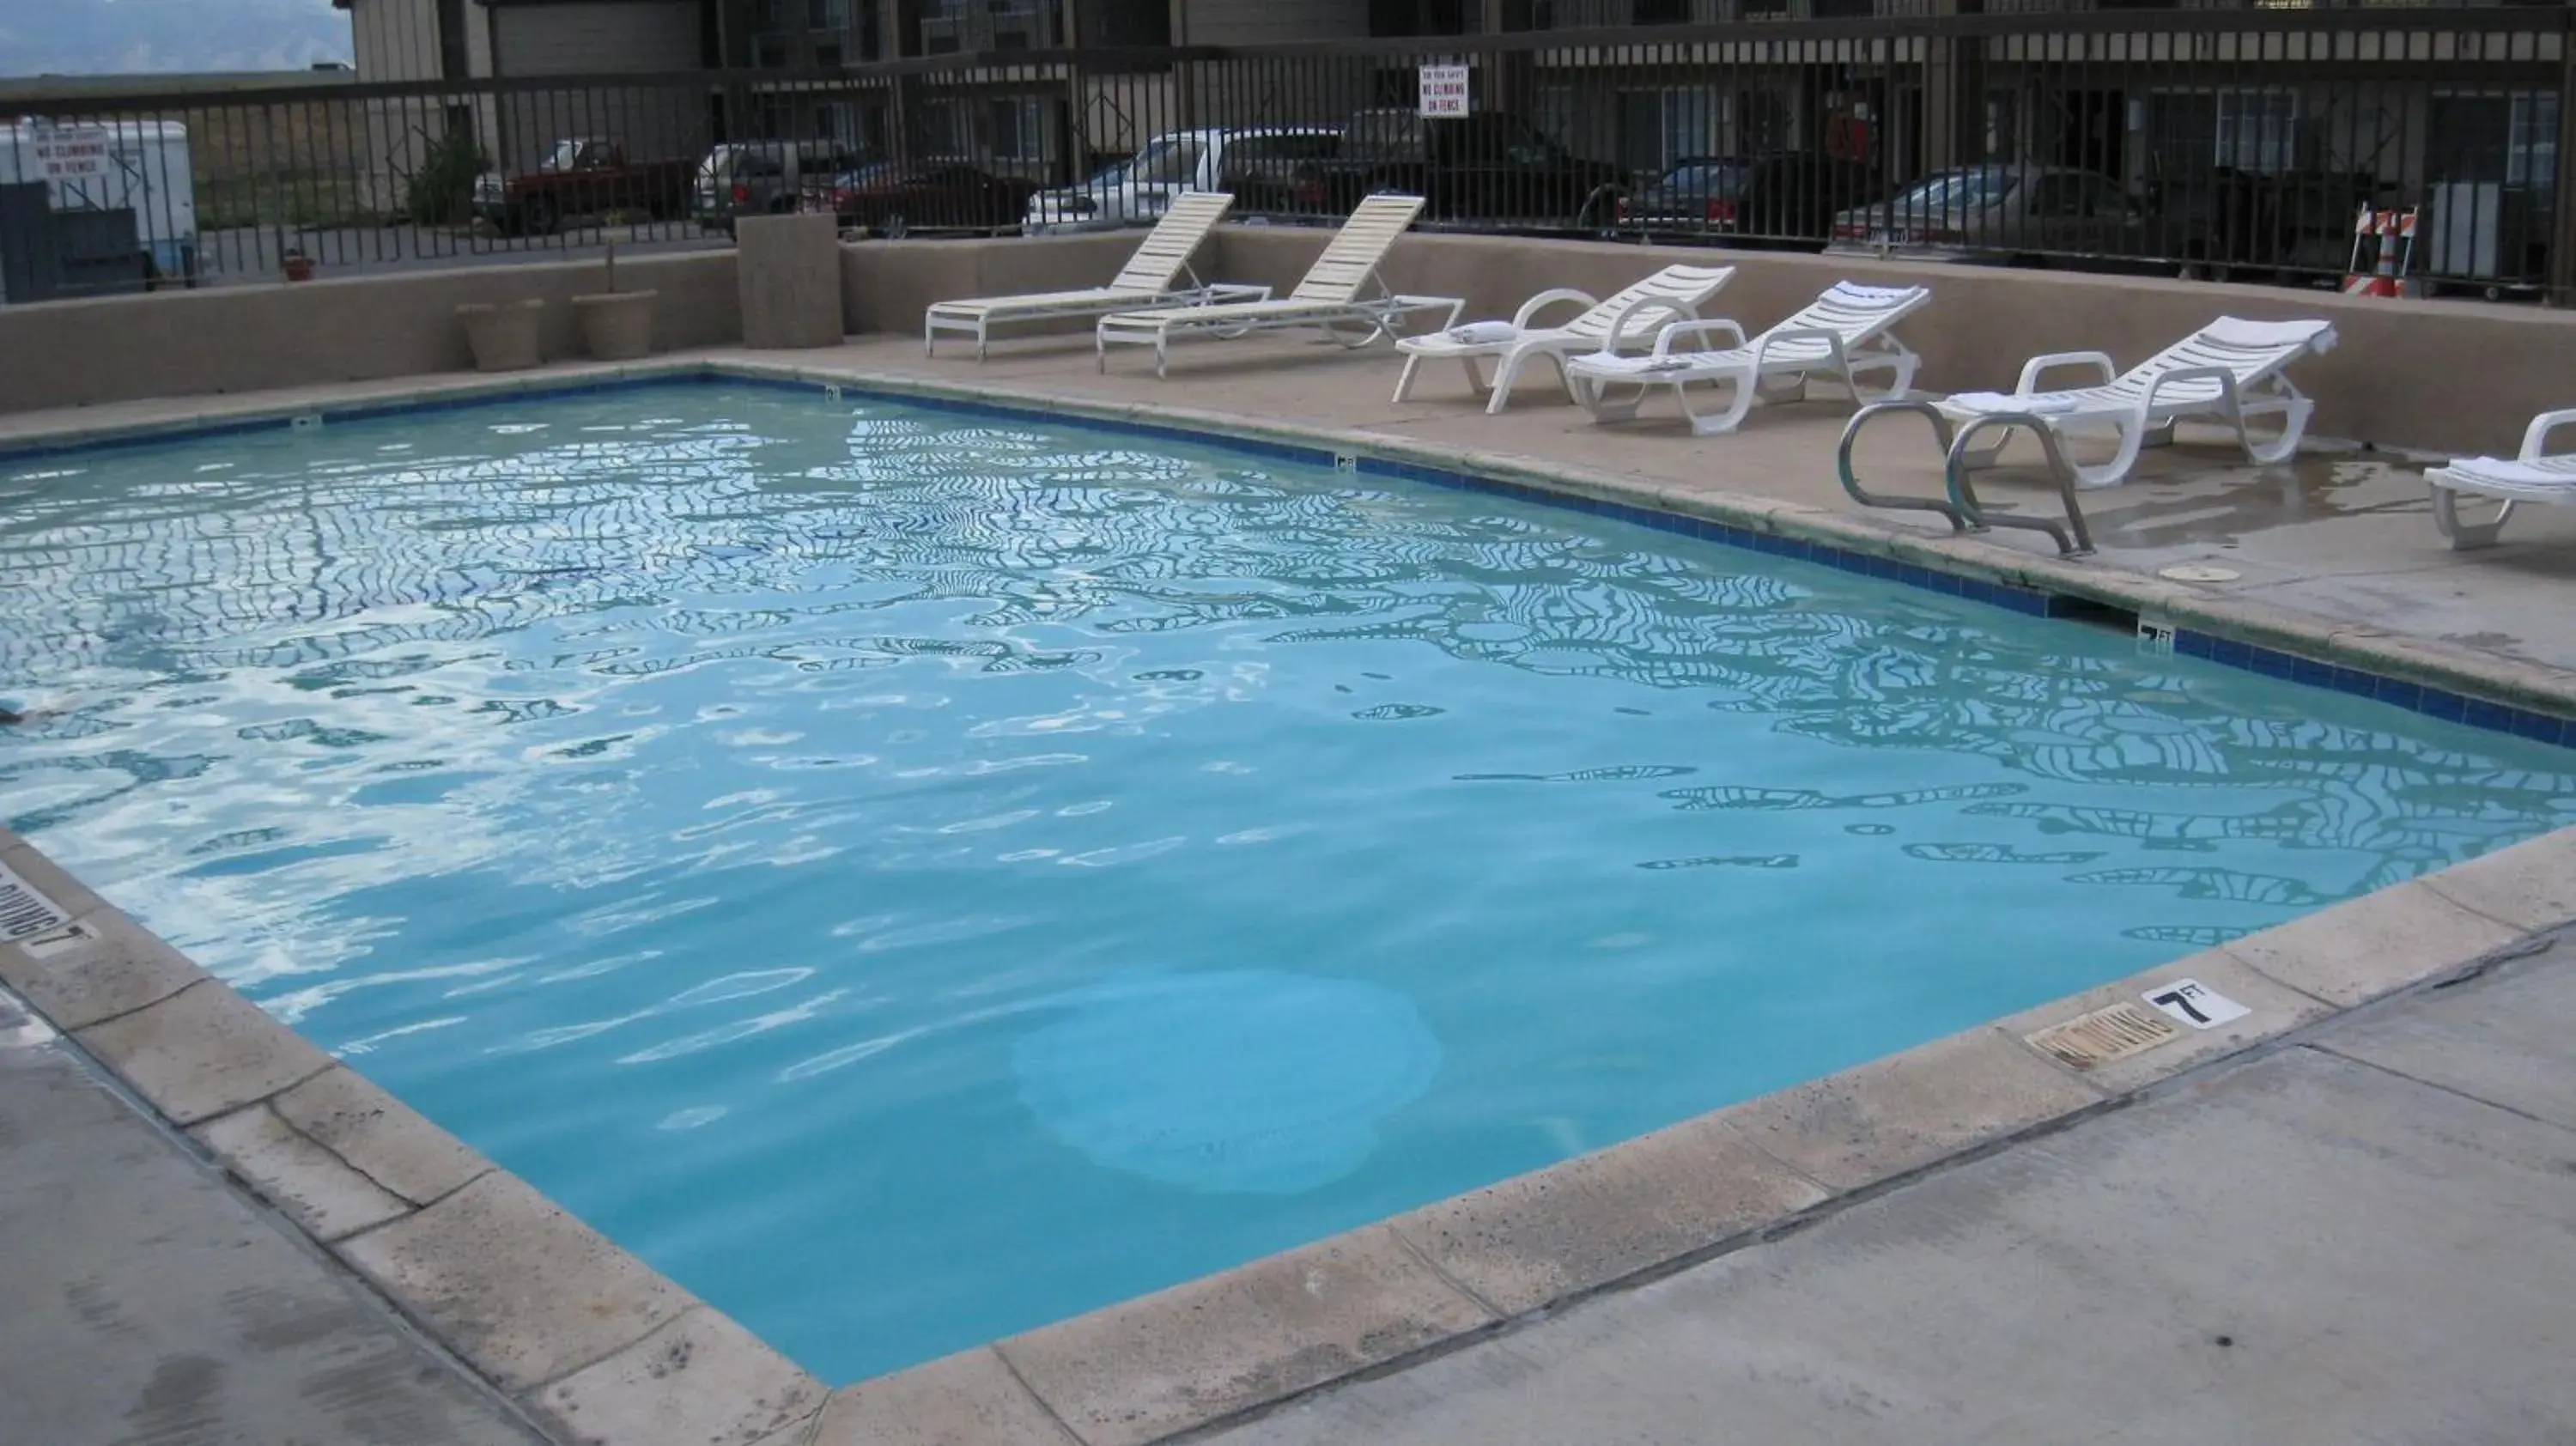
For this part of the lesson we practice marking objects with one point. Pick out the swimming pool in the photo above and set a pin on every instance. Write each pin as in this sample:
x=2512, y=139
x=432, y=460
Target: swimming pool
x=914, y=877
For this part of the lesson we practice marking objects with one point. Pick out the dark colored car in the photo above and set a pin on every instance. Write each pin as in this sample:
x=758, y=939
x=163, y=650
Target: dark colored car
x=1262, y=169
x=1789, y=198
x=580, y=177
x=1490, y=166
x=891, y=198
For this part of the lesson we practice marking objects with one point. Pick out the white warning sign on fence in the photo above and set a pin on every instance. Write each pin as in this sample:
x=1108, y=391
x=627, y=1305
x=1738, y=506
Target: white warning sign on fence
x=2191, y=1002
x=1444, y=90
x=72, y=152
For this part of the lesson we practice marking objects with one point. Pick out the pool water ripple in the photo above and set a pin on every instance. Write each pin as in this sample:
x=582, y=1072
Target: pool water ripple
x=914, y=879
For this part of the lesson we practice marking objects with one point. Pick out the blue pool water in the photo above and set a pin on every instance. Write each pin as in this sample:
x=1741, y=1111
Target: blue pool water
x=914, y=878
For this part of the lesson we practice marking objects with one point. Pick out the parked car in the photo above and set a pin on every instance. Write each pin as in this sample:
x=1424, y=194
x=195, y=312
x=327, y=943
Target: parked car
x=762, y=178
x=1136, y=191
x=891, y=198
x=581, y=176
x=1998, y=212
x=2271, y=224
x=1491, y=166
x=1261, y=171
x=1789, y=197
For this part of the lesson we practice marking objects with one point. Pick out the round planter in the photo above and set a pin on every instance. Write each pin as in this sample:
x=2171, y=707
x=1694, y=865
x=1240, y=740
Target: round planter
x=503, y=334
x=617, y=326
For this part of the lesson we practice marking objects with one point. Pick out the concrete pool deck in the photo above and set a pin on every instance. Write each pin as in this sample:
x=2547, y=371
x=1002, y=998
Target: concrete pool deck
x=2359, y=1236
x=151, y=1301
x=599, y=1348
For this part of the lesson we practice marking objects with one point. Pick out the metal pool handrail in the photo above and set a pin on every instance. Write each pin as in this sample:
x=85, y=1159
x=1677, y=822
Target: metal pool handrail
x=1962, y=508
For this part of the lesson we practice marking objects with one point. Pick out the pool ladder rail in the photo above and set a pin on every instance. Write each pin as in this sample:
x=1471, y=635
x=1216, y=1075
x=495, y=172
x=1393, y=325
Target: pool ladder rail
x=1961, y=507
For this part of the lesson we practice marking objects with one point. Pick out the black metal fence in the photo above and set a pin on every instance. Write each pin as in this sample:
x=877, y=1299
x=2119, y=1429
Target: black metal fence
x=2205, y=141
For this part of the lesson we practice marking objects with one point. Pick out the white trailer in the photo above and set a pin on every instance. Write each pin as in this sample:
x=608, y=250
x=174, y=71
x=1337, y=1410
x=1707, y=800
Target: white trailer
x=111, y=166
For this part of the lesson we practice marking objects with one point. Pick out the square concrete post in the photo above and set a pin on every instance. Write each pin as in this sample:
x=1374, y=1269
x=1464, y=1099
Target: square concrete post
x=789, y=271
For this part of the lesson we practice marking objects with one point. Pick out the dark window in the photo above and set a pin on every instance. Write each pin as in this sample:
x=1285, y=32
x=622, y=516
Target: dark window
x=772, y=55
x=1661, y=12
x=827, y=55
x=1843, y=9
x=453, y=61
x=1423, y=17
x=1138, y=24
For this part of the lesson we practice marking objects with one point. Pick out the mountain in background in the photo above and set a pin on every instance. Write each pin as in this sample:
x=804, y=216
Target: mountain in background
x=107, y=37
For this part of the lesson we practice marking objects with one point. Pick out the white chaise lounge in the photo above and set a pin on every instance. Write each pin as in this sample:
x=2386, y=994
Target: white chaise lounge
x=1847, y=333
x=1158, y=274
x=1629, y=319
x=1342, y=295
x=2230, y=371
x=2536, y=475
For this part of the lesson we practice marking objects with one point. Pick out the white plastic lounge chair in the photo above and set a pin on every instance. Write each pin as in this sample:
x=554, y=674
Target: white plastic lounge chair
x=1844, y=334
x=1630, y=319
x=2534, y=476
x=1342, y=295
x=1152, y=277
x=2230, y=370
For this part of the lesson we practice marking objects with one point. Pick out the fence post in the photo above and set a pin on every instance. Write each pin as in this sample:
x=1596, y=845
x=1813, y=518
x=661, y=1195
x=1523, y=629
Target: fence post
x=2562, y=217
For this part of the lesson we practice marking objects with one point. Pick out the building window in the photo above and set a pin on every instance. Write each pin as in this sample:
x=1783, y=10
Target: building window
x=1421, y=17
x=1143, y=24
x=454, y=60
x=837, y=121
x=2258, y=130
x=827, y=14
x=1020, y=130
x=1660, y=12
x=827, y=55
x=2533, y=159
x=770, y=53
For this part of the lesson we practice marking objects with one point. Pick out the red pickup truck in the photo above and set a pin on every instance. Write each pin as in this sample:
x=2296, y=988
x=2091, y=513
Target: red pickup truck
x=581, y=177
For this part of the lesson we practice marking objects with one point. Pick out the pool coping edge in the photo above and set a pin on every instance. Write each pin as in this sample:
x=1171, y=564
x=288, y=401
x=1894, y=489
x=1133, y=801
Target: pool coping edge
x=1235, y=1344
x=2239, y=632
x=1229, y=1346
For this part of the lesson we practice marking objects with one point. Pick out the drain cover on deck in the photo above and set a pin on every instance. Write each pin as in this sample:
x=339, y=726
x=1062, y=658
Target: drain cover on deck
x=2104, y=1035
x=2198, y=572
x=23, y=911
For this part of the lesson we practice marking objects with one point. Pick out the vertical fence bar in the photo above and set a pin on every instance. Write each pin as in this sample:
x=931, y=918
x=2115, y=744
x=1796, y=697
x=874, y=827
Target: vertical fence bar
x=2561, y=274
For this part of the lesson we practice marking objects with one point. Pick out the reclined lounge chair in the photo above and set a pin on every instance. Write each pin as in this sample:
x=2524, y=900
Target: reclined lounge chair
x=2534, y=476
x=2230, y=371
x=1342, y=295
x=1630, y=319
x=1845, y=334
x=1152, y=277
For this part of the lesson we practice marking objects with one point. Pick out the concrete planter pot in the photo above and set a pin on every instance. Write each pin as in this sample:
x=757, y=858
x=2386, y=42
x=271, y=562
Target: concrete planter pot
x=503, y=334
x=617, y=326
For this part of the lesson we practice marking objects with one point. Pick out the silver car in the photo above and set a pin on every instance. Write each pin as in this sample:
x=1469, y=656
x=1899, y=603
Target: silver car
x=762, y=178
x=1136, y=191
x=1996, y=212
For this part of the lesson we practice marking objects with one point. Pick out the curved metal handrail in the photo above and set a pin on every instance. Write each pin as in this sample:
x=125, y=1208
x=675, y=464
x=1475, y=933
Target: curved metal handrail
x=1963, y=495
x=1961, y=519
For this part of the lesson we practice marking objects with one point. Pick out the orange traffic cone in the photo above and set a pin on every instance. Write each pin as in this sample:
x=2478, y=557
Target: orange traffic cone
x=2389, y=228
